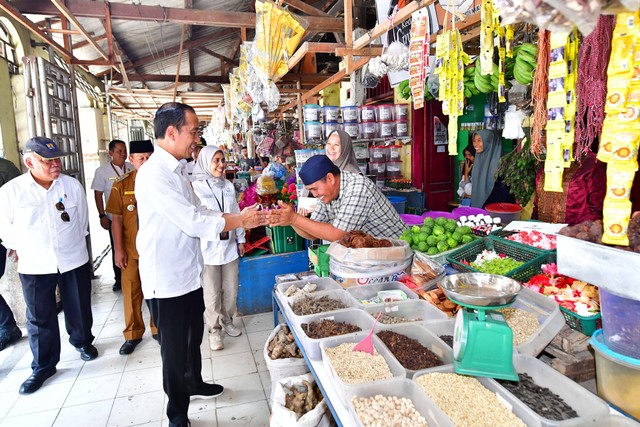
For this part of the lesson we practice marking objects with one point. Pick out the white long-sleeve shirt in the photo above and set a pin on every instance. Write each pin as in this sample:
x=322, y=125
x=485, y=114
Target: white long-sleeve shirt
x=171, y=223
x=31, y=225
x=219, y=252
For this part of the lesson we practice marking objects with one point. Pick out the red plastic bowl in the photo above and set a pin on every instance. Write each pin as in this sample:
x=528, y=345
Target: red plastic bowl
x=503, y=208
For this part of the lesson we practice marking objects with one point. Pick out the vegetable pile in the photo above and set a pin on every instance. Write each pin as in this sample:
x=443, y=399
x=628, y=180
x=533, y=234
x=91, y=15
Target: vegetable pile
x=574, y=295
x=283, y=345
x=436, y=235
x=493, y=263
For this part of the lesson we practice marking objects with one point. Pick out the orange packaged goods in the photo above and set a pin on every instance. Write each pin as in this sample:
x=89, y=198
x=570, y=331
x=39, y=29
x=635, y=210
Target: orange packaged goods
x=619, y=181
x=616, y=220
x=625, y=145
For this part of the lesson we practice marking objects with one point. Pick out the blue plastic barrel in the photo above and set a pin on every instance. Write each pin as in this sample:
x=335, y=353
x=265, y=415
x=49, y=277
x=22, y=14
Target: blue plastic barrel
x=398, y=203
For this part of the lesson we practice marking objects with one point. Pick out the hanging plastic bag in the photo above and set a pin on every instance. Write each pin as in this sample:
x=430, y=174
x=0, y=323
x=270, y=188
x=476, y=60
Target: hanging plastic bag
x=513, y=123
x=368, y=79
x=433, y=85
x=396, y=57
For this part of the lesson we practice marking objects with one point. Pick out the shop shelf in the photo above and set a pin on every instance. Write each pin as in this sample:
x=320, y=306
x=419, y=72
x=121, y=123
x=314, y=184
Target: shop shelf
x=353, y=316
x=424, y=336
x=343, y=388
x=366, y=292
x=399, y=388
x=471, y=250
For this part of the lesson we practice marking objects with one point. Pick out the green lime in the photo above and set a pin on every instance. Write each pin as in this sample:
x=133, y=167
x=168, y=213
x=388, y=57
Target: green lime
x=442, y=246
x=442, y=238
x=457, y=237
x=408, y=239
x=423, y=247
x=438, y=230
x=441, y=221
x=466, y=229
x=429, y=221
x=415, y=229
x=452, y=242
x=426, y=229
x=432, y=240
x=432, y=251
x=450, y=225
x=467, y=238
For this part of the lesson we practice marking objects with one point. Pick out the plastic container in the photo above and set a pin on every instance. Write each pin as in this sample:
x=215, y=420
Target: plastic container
x=586, y=404
x=378, y=153
x=399, y=388
x=468, y=211
x=322, y=283
x=402, y=111
x=366, y=292
x=368, y=130
x=385, y=112
x=427, y=339
x=441, y=327
x=311, y=112
x=506, y=211
x=327, y=128
x=386, y=129
x=350, y=114
x=342, y=388
x=312, y=131
x=330, y=114
x=361, y=150
x=377, y=169
x=302, y=156
x=437, y=214
x=549, y=317
x=410, y=219
x=618, y=376
x=399, y=203
x=394, y=152
x=401, y=128
x=394, y=170
x=284, y=239
x=352, y=129
x=367, y=113
x=381, y=182
x=414, y=311
x=363, y=168
x=620, y=323
x=521, y=253
x=337, y=294
x=352, y=316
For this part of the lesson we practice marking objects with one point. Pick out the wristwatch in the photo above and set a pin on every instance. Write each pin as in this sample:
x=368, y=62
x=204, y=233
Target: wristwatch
x=102, y=216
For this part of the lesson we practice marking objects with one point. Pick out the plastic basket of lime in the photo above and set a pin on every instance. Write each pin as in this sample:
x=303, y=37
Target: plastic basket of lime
x=437, y=237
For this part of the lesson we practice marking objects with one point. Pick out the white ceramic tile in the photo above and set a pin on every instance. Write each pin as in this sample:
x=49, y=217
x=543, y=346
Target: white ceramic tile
x=258, y=322
x=7, y=399
x=241, y=389
x=197, y=406
x=95, y=414
x=67, y=351
x=39, y=419
x=258, y=357
x=103, y=365
x=93, y=390
x=140, y=381
x=232, y=346
x=14, y=379
x=203, y=419
x=112, y=330
x=247, y=415
x=265, y=378
x=102, y=306
x=143, y=359
x=233, y=365
x=49, y=396
x=136, y=409
x=207, y=370
x=67, y=371
x=24, y=362
x=151, y=424
x=109, y=346
x=148, y=343
x=257, y=339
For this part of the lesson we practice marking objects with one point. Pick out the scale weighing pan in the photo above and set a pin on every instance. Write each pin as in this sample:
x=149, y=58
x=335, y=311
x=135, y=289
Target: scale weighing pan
x=480, y=289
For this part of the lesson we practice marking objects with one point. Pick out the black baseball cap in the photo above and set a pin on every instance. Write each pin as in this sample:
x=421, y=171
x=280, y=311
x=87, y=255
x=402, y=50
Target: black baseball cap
x=43, y=147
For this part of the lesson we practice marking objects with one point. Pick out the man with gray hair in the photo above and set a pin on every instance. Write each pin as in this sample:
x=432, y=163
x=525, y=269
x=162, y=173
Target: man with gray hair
x=44, y=221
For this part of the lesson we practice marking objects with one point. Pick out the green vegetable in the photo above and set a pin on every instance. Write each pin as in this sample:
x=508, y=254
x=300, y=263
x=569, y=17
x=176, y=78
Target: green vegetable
x=518, y=171
x=438, y=230
x=451, y=242
x=467, y=239
x=442, y=246
x=499, y=266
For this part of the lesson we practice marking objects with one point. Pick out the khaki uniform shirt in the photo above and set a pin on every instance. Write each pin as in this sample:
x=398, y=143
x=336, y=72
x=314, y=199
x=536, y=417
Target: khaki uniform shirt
x=122, y=201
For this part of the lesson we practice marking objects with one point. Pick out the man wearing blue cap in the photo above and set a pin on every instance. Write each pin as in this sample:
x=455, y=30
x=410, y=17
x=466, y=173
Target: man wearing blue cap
x=44, y=220
x=349, y=202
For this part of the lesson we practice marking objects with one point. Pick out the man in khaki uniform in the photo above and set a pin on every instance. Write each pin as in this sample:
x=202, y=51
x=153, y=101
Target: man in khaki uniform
x=123, y=206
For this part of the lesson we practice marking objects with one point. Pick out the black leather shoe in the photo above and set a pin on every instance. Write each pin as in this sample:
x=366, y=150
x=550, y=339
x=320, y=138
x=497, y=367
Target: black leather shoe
x=34, y=382
x=156, y=337
x=10, y=337
x=117, y=287
x=87, y=352
x=129, y=346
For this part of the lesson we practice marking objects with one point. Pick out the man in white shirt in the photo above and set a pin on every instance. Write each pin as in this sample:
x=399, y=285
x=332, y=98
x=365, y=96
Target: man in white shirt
x=103, y=180
x=44, y=221
x=171, y=226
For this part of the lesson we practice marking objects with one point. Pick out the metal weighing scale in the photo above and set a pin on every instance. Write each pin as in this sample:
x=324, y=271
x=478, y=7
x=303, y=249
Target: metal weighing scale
x=482, y=340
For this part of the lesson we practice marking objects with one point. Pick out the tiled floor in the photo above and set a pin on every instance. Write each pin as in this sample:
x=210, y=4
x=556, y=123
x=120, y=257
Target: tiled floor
x=115, y=390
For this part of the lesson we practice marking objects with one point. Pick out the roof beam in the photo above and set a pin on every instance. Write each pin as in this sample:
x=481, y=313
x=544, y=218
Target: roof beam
x=188, y=4
x=59, y=4
x=306, y=8
x=220, y=57
x=84, y=43
x=136, y=12
x=18, y=16
x=175, y=88
x=172, y=78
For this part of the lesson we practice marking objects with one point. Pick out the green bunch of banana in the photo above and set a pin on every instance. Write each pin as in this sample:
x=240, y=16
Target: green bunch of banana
x=404, y=90
x=525, y=63
x=470, y=88
x=488, y=83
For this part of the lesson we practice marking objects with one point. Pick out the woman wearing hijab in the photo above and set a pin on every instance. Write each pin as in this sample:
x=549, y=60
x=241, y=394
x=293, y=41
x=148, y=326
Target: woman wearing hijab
x=465, y=187
x=221, y=257
x=488, y=146
x=339, y=149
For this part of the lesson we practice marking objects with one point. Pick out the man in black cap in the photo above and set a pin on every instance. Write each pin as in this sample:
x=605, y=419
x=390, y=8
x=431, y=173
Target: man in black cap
x=349, y=202
x=44, y=219
x=122, y=205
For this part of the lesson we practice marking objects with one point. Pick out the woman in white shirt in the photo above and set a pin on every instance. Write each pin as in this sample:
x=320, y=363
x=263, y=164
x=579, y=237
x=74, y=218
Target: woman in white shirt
x=221, y=257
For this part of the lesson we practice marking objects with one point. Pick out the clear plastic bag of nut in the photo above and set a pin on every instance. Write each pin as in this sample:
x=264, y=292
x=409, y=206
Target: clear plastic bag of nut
x=425, y=272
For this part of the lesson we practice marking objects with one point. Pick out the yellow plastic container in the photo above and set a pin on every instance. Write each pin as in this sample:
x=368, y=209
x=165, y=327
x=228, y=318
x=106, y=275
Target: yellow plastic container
x=618, y=376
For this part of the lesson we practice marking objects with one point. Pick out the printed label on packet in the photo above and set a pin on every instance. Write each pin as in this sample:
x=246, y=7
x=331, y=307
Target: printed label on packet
x=619, y=180
x=615, y=221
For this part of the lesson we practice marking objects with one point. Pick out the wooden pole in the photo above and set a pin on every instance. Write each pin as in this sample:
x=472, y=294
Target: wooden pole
x=175, y=87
